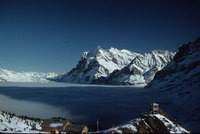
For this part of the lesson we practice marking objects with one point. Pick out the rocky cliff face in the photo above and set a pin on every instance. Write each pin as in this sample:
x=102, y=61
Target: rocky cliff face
x=142, y=68
x=181, y=79
x=115, y=66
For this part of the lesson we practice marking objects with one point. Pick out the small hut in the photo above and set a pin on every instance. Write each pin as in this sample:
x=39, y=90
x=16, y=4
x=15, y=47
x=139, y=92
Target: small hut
x=55, y=125
x=75, y=128
x=154, y=108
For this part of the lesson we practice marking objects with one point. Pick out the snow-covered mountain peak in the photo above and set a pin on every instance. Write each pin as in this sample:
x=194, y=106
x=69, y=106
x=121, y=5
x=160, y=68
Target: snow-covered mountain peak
x=92, y=53
x=98, y=63
x=115, y=66
x=99, y=52
x=115, y=50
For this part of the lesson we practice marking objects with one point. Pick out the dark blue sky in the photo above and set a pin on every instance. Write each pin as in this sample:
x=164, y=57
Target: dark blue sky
x=50, y=36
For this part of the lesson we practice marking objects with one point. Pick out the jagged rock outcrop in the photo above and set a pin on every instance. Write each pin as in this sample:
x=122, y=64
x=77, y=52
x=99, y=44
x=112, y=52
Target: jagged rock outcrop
x=148, y=123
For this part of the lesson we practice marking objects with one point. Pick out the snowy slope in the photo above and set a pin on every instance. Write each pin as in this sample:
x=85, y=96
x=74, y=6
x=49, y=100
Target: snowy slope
x=11, y=76
x=12, y=124
x=181, y=80
x=98, y=63
x=142, y=68
x=153, y=123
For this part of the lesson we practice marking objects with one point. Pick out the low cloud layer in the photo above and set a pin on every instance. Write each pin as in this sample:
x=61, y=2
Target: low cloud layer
x=55, y=84
x=33, y=109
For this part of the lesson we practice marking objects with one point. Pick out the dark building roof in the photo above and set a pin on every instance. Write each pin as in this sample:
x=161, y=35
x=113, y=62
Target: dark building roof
x=49, y=122
x=74, y=128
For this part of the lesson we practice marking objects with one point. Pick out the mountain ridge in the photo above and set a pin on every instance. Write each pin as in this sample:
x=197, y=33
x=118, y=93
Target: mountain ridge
x=98, y=66
x=142, y=68
x=98, y=63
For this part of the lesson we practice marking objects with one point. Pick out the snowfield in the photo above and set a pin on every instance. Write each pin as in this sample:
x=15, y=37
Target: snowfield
x=10, y=123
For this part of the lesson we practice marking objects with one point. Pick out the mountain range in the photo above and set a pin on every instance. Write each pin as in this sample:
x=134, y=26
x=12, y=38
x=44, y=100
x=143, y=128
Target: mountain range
x=12, y=76
x=98, y=63
x=113, y=66
x=123, y=67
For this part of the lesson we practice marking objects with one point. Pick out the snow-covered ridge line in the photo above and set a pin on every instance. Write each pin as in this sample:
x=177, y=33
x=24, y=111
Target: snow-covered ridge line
x=12, y=76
